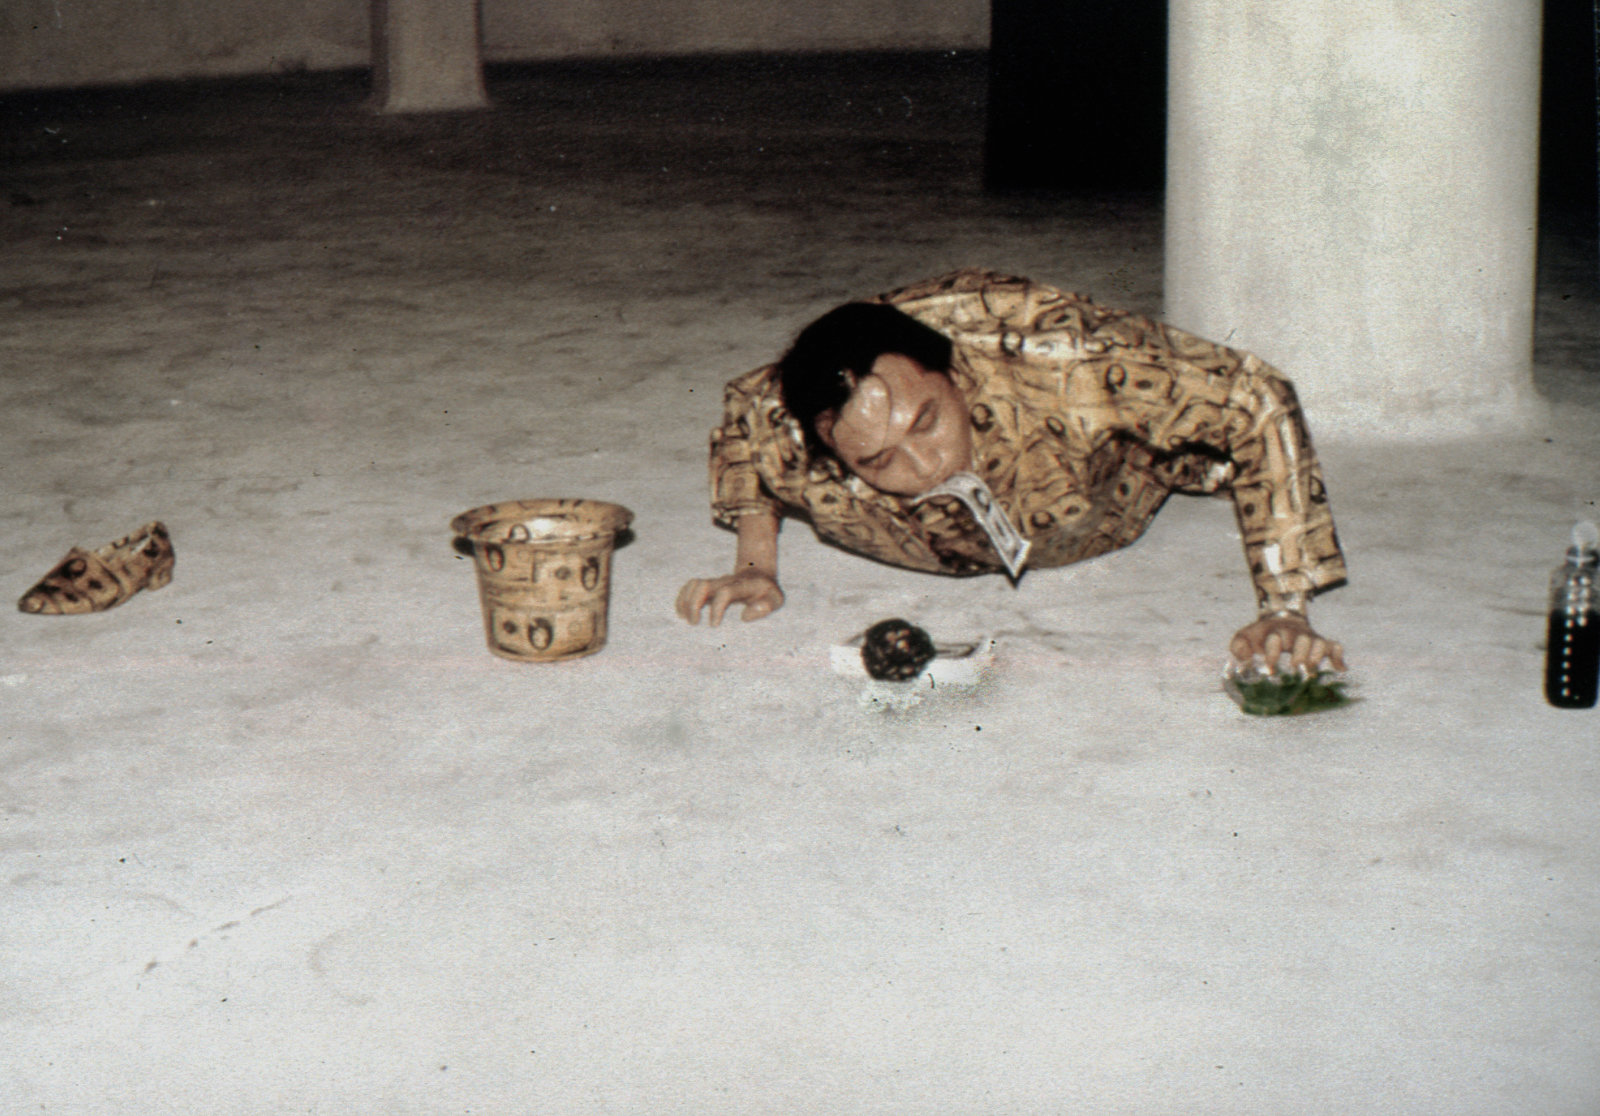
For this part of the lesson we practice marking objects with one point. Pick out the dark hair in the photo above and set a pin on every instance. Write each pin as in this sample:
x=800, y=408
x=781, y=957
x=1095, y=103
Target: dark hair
x=820, y=371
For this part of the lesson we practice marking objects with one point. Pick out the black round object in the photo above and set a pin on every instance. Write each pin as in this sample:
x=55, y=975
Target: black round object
x=896, y=650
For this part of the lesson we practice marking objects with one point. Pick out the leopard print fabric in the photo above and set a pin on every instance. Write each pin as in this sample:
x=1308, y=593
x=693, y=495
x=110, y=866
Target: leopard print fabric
x=1084, y=419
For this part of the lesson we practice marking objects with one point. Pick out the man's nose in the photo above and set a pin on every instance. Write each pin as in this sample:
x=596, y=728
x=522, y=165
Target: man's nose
x=922, y=459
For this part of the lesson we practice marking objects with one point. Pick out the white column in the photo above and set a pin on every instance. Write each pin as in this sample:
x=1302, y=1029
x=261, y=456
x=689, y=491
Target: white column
x=1351, y=195
x=426, y=57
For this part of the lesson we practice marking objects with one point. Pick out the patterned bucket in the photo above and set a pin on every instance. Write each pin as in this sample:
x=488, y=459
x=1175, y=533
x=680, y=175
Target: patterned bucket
x=544, y=574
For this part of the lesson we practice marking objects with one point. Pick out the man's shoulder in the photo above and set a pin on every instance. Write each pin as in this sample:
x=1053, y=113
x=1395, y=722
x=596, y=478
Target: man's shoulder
x=754, y=383
x=978, y=298
x=970, y=286
x=753, y=405
x=966, y=280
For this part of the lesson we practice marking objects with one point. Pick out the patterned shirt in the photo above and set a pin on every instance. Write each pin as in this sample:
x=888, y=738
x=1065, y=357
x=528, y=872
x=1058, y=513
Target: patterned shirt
x=1084, y=419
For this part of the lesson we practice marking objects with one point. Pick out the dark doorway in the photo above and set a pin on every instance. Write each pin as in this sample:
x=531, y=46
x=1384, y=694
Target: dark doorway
x=1568, y=123
x=1077, y=95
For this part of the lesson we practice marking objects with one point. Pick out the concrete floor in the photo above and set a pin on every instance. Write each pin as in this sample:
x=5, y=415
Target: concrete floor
x=284, y=837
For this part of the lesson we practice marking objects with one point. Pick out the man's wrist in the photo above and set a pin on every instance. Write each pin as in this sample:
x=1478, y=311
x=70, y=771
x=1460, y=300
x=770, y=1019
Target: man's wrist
x=1283, y=605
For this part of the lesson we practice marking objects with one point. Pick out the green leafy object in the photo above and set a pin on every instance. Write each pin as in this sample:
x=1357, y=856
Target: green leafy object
x=1286, y=694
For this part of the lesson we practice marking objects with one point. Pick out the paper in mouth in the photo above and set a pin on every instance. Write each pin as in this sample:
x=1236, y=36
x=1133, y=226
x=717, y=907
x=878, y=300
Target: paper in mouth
x=1003, y=535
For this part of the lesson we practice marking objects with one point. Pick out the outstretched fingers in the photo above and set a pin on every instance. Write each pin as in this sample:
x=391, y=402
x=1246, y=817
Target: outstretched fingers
x=764, y=605
x=692, y=598
x=1327, y=650
x=1272, y=649
x=720, y=600
x=758, y=593
x=1285, y=643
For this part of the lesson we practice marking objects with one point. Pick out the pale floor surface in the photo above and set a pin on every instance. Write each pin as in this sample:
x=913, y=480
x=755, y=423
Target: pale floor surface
x=284, y=837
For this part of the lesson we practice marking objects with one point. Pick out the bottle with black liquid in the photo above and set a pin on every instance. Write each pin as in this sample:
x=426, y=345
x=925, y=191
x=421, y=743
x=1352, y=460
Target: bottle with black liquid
x=1572, y=660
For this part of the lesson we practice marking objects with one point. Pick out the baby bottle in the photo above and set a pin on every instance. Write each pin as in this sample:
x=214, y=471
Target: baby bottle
x=1572, y=660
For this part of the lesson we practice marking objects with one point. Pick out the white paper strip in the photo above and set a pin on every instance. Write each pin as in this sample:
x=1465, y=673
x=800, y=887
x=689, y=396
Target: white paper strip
x=1006, y=539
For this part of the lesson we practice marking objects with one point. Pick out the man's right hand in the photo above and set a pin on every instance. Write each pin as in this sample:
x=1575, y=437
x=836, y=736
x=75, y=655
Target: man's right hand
x=757, y=591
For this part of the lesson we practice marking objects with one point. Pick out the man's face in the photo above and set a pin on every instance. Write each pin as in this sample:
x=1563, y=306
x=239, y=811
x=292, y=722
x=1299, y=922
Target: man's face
x=904, y=430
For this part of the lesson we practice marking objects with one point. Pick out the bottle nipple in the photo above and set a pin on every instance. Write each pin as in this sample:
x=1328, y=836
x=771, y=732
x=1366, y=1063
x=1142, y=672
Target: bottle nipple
x=1585, y=537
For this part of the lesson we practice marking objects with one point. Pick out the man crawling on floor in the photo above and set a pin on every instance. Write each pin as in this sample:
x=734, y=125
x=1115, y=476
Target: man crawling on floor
x=981, y=423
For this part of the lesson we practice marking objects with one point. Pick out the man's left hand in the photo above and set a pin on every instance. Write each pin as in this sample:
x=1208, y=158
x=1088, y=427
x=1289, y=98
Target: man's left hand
x=1274, y=638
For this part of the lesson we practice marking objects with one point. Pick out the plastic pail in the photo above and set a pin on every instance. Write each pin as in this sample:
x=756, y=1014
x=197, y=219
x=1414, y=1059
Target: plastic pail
x=544, y=574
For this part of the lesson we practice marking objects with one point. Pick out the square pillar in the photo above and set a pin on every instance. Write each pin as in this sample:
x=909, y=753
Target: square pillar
x=1351, y=195
x=426, y=56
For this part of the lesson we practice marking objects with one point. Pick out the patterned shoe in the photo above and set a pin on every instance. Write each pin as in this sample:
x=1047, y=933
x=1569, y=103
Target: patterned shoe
x=95, y=580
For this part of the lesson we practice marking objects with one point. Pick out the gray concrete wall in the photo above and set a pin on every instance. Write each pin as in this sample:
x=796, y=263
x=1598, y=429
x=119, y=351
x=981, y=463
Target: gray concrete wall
x=51, y=43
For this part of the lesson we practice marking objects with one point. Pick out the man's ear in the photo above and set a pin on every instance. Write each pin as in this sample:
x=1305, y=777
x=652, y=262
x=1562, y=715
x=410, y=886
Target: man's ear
x=824, y=426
